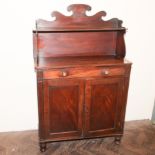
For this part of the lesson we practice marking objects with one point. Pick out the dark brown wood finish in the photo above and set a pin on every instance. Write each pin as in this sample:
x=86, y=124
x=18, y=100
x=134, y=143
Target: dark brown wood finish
x=78, y=21
x=82, y=76
x=99, y=43
x=87, y=35
x=103, y=97
x=80, y=72
x=64, y=108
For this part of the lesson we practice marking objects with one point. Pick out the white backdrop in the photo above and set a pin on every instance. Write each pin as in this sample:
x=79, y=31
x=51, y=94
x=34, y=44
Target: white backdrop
x=18, y=99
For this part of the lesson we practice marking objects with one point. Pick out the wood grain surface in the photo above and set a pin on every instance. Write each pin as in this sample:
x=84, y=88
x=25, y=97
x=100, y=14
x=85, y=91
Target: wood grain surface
x=138, y=139
x=84, y=22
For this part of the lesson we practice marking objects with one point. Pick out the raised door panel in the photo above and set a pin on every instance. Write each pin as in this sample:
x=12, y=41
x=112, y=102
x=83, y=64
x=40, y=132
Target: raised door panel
x=103, y=102
x=63, y=108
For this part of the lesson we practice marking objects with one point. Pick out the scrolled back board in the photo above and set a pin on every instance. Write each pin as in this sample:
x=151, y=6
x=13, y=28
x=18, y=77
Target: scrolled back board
x=79, y=35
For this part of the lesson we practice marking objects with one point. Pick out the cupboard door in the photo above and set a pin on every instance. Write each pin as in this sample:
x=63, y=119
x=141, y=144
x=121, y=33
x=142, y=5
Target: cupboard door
x=63, y=108
x=103, y=103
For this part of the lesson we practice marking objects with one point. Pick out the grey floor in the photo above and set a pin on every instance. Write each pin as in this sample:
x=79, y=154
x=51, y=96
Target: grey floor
x=138, y=139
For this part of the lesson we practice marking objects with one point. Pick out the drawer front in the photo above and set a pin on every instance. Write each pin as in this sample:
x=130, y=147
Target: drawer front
x=84, y=72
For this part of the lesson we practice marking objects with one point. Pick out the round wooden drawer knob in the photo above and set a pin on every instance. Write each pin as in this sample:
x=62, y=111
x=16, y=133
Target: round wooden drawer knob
x=64, y=73
x=105, y=72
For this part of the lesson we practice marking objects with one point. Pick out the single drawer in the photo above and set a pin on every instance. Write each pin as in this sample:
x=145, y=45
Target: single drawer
x=84, y=72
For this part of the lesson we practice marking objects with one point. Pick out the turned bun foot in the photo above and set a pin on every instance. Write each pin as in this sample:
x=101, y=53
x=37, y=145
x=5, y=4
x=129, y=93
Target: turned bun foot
x=118, y=140
x=43, y=147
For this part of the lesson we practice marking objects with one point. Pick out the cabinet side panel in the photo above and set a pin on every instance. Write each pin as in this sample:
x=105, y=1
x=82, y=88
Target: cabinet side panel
x=40, y=94
x=123, y=99
x=120, y=49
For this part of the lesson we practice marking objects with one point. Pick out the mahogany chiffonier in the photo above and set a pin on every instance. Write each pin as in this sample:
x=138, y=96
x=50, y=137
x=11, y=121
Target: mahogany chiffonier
x=82, y=76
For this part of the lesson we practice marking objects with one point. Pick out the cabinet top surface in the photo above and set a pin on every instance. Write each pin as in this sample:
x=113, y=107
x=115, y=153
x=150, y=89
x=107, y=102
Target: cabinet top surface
x=53, y=63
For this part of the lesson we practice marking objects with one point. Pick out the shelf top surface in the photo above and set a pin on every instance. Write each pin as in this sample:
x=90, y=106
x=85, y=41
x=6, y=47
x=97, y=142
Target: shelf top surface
x=49, y=30
x=69, y=62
